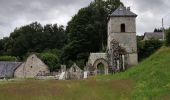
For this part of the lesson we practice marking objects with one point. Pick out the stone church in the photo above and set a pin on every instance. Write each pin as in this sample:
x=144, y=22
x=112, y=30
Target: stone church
x=121, y=45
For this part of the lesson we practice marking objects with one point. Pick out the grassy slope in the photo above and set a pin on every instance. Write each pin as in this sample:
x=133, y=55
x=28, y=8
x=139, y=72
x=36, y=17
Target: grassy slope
x=148, y=80
x=151, y=77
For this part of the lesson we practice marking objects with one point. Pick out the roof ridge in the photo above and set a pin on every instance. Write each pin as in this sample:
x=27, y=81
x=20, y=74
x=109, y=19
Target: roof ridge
x=123, y=11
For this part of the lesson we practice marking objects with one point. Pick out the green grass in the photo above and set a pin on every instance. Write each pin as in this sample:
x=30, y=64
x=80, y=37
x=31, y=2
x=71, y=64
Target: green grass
x=65, y=90
x=149, y=80
x=151, y=77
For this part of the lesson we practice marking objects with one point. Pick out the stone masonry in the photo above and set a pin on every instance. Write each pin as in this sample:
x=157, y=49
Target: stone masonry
x=31, y=67
x=121, y=28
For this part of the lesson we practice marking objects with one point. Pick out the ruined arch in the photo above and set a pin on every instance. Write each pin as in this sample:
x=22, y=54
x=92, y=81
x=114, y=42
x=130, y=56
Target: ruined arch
x=104, y=62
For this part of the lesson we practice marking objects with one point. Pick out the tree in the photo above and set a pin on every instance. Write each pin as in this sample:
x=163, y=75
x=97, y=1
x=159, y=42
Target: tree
x=87, y=31
x=157, y=30
x=35, y=38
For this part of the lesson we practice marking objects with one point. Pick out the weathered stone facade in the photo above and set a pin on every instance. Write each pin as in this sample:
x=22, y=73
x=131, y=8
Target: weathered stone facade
x=74, y=72
x=31, y=67
x=122, y=30
x=97, y=58
x=126, y=39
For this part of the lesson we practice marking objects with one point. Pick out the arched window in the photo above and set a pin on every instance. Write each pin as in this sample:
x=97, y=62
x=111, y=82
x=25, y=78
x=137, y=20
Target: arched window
x=122, y=27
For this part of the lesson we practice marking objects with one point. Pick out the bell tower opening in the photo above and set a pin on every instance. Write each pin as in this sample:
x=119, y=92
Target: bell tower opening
x=123, y=28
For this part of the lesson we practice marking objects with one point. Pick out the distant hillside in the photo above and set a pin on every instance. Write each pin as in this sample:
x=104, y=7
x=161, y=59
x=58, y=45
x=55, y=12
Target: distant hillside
x=151, y=77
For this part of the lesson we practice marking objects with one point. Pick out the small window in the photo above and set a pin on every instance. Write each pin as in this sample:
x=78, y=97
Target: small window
x=30, y=66
x=122, y=27
x=74, y=69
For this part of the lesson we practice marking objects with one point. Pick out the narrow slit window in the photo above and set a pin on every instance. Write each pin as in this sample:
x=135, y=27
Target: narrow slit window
x=122, y=27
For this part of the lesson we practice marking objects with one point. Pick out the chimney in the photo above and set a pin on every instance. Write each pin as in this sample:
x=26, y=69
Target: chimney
x=128, y=8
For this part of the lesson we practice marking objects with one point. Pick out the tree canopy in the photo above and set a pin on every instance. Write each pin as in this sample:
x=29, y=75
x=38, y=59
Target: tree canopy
x=33, y=38
x=87, y=31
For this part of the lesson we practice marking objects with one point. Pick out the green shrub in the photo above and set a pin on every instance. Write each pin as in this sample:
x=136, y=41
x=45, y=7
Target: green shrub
x=51, y=60
x=147, y=48
x=8, y=58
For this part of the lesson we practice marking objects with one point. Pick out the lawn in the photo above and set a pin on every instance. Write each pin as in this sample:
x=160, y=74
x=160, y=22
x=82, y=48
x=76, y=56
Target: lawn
x=66, y=90
x=149, y=80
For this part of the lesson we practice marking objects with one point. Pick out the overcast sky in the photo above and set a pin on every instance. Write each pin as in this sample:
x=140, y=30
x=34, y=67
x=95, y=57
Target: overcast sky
x=15, y=13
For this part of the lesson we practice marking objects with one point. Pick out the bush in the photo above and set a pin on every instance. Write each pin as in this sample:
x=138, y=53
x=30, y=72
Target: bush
x=147, y=48
x=8, y=58
x=51, y=60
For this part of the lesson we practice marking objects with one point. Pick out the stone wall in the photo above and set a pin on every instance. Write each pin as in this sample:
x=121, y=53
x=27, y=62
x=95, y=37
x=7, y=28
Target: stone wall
x=31, y=67
x=95, y=56
x=126, y=39
x=115, y=23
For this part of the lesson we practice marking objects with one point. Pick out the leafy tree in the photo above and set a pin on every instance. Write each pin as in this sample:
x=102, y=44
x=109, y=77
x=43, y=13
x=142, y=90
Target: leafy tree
x=87, y=31
x=35, y=38
x=157, y=30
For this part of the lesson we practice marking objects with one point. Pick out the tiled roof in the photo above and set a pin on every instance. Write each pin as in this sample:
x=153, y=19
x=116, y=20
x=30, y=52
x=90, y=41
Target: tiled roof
x=154, y=35
x=8, y=68
x=122, y=11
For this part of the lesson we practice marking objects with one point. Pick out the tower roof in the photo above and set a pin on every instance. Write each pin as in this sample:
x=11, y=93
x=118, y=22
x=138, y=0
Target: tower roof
x=122, y=11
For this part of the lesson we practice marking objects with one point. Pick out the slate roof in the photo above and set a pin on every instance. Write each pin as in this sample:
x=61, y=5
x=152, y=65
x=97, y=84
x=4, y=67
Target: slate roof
x=122, y=11
x=8, y=68
x=153, y=35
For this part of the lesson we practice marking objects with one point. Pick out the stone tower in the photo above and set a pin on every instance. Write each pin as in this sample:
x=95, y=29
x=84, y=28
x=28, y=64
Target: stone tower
x=122, y=28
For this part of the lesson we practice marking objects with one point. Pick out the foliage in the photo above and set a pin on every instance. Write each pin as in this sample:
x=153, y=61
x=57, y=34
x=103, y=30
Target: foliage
x=87, y=31
x=51, y=60
x=8, y=58
x=157, y=30
x=100, y=66
x=34, y=38
x=167, y=42
x=147, y=48
x=3, y=49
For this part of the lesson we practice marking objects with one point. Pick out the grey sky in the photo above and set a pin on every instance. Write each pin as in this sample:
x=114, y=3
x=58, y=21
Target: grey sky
x=15, y=13
x=150, y=13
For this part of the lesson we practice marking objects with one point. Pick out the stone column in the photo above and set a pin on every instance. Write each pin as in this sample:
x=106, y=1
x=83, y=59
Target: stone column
x=118, y=65
x=63, y=68
x=123, y=61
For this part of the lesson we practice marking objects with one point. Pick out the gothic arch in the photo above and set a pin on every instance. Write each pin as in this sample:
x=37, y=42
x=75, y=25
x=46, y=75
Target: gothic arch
x=104, y=62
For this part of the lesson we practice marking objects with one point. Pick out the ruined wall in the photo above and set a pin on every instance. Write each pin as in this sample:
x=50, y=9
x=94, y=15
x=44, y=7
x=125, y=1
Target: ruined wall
x=31, y=67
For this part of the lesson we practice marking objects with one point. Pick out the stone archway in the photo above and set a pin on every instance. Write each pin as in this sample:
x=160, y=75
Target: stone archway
x=101, y=61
